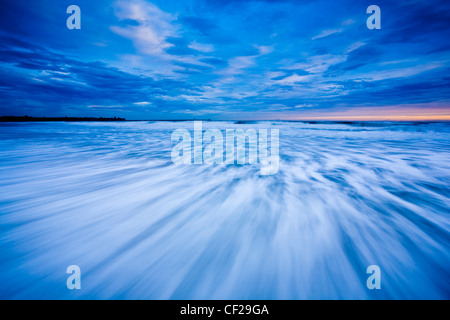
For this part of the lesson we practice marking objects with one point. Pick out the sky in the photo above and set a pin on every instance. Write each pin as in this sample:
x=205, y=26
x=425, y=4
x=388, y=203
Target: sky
x=226, y=60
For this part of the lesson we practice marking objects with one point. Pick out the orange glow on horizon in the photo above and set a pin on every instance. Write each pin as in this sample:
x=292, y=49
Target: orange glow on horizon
x=378, y=118
x=415, y=113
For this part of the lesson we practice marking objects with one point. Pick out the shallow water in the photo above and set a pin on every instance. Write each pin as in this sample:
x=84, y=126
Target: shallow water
x=107, y=197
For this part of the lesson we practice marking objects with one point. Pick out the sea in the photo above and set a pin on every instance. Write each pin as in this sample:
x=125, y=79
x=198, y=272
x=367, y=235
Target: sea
x=107, y=197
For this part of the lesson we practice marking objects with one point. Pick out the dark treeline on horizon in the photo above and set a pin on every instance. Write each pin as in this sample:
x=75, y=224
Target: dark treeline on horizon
x=29, y=119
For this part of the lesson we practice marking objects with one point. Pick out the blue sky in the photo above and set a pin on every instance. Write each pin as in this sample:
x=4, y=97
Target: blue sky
x=225, y=59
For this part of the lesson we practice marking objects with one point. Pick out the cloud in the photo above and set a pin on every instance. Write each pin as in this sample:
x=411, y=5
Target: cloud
x=348, y=22
x=401, y=72
x=305, y=105
x=238, y=65
x=105, y=107
x=263, y=50
x=142, y=103
x=153, y=27
x=354, y=46
x=69, y=83
x=326, y=33
x=201, y=47
x=318, y=63
x=294, y=79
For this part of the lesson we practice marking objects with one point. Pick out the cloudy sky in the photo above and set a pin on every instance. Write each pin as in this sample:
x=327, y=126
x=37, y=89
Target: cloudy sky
x=226, y=59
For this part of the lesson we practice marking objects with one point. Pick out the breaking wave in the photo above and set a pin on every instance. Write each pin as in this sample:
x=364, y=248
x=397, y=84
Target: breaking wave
x=107, y=197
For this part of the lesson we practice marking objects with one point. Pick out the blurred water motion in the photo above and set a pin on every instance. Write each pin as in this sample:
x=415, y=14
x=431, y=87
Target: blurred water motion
x=107, y=197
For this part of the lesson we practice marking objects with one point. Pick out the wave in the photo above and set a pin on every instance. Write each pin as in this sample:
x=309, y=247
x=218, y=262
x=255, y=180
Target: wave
x=107, y=197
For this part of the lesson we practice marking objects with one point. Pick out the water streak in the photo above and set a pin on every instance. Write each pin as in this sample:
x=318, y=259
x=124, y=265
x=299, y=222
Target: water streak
x=107, y=197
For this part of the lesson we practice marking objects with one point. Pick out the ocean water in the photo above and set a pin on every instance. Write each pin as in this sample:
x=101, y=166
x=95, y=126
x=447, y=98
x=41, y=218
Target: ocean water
x=108, y=198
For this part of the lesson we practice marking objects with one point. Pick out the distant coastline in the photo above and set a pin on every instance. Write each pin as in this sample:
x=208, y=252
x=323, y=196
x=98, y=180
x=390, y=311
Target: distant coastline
x=97, y=119
x=66, y=119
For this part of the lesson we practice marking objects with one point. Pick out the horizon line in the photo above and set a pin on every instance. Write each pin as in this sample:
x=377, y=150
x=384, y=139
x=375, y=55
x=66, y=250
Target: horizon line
x=306, y=119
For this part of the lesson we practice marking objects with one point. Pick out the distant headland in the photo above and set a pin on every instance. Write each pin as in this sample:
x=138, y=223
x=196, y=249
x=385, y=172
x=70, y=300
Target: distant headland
x=66, y=119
